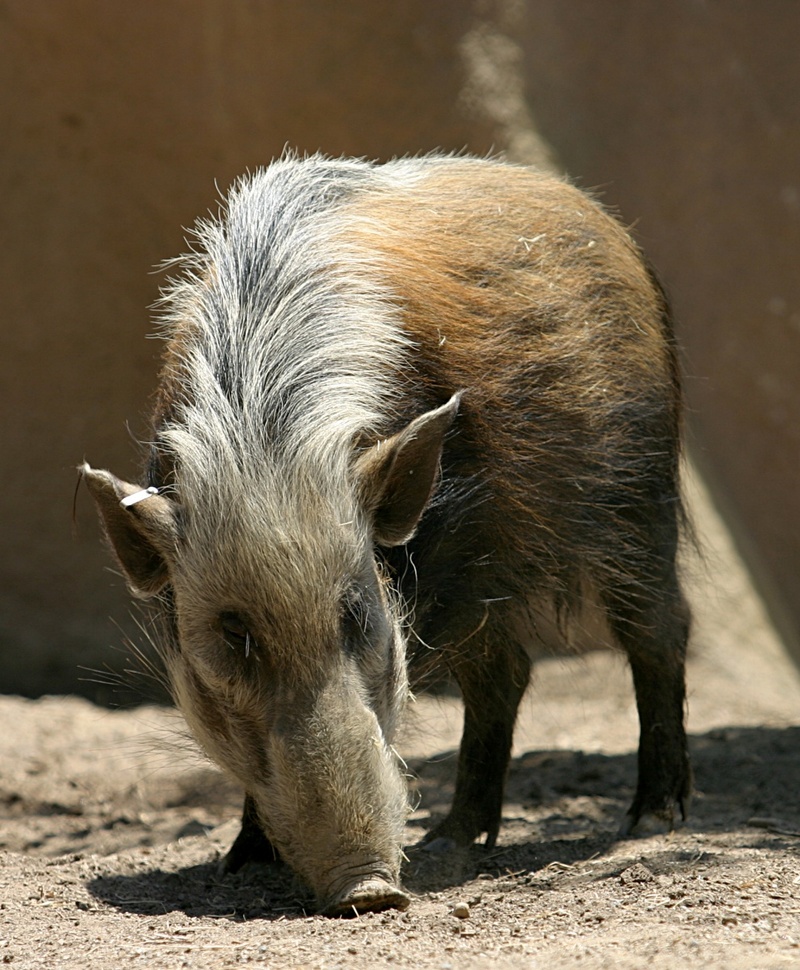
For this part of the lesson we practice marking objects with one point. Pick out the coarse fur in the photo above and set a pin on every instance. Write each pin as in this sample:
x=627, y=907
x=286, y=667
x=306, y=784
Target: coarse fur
x=413, y=403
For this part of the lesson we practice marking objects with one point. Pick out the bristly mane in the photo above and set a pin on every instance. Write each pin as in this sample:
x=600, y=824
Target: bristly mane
x=283, y=347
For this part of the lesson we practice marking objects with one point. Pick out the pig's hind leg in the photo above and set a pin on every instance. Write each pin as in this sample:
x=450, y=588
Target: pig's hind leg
x=650, y=620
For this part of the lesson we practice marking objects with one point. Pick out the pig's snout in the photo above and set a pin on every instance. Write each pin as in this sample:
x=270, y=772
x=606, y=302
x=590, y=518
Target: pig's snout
x=336, y=803
x=361, y=890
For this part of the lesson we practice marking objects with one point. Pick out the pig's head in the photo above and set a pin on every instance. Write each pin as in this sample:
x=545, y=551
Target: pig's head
x=288, y=654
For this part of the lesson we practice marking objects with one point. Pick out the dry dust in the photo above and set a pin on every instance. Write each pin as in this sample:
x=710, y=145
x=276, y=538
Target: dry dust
x=112, y=830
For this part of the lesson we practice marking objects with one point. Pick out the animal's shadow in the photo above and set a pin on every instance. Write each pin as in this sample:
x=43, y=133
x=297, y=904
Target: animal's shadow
x=562, y=807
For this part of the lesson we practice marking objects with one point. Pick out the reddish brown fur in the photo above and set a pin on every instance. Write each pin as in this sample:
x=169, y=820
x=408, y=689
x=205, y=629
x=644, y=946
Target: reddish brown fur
x=504, y=274
x=563, y=469
x=512, y=264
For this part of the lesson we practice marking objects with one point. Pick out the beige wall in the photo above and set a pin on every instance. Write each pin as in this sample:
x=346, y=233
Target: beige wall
x=116, y=120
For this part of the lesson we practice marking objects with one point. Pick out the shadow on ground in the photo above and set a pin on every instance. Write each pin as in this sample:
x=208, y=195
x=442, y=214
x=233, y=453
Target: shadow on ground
x=562, y=808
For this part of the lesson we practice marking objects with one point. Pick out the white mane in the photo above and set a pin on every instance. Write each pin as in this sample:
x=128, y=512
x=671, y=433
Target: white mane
x=287, y=344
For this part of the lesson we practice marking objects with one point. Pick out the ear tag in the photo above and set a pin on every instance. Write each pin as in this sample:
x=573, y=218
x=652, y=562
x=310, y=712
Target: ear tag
x=139, y=496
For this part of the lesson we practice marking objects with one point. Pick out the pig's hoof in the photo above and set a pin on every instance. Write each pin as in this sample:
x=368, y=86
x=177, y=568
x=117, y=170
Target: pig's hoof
x=440, y=845
x=245, y=849
x=647, y=824
x=369, y=895
x=459, y=832
x=643, y=822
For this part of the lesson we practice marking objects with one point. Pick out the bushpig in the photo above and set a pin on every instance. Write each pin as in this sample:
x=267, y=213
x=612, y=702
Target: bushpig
x=405, y=409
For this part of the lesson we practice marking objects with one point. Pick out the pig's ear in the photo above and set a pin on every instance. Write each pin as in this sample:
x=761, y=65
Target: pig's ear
x=143, y=533
x=397, y=476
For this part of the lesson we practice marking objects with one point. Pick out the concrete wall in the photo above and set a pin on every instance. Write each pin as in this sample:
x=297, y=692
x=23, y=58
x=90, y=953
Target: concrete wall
x=116, y=120
x=686, y=115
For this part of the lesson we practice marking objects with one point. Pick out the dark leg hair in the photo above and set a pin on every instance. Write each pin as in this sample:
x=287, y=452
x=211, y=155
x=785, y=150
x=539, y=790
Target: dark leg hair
x=651, y=622
x=492, y=679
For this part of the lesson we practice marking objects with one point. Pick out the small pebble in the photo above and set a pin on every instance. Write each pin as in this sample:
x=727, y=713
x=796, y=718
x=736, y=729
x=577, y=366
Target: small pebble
x=461, y=911
x=636, y=873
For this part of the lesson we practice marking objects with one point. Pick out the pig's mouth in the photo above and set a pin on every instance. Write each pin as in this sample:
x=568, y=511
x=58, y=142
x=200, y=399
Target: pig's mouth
x=363, y=889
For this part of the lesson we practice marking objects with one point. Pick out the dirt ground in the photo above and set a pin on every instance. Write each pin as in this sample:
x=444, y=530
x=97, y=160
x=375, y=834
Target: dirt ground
x=112, y=829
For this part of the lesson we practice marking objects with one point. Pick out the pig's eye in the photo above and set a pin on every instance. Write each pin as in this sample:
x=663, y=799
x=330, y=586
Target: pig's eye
x=235, y=631
x=355, y=616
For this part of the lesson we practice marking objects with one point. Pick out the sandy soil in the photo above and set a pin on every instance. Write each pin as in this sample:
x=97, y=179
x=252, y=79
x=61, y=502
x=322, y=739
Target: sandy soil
x=112, y=828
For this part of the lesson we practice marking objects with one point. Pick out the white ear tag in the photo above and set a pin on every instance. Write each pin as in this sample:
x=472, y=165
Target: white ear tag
x=139, y=496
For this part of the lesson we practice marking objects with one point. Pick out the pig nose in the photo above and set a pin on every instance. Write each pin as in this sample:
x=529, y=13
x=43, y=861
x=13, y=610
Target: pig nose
x=366, y=896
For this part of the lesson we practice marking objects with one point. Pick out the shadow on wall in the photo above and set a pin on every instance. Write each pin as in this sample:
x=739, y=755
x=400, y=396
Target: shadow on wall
x=685, y=116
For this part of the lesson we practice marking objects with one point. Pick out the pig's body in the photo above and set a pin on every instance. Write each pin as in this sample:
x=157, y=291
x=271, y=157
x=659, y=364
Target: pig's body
x=309, y=409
